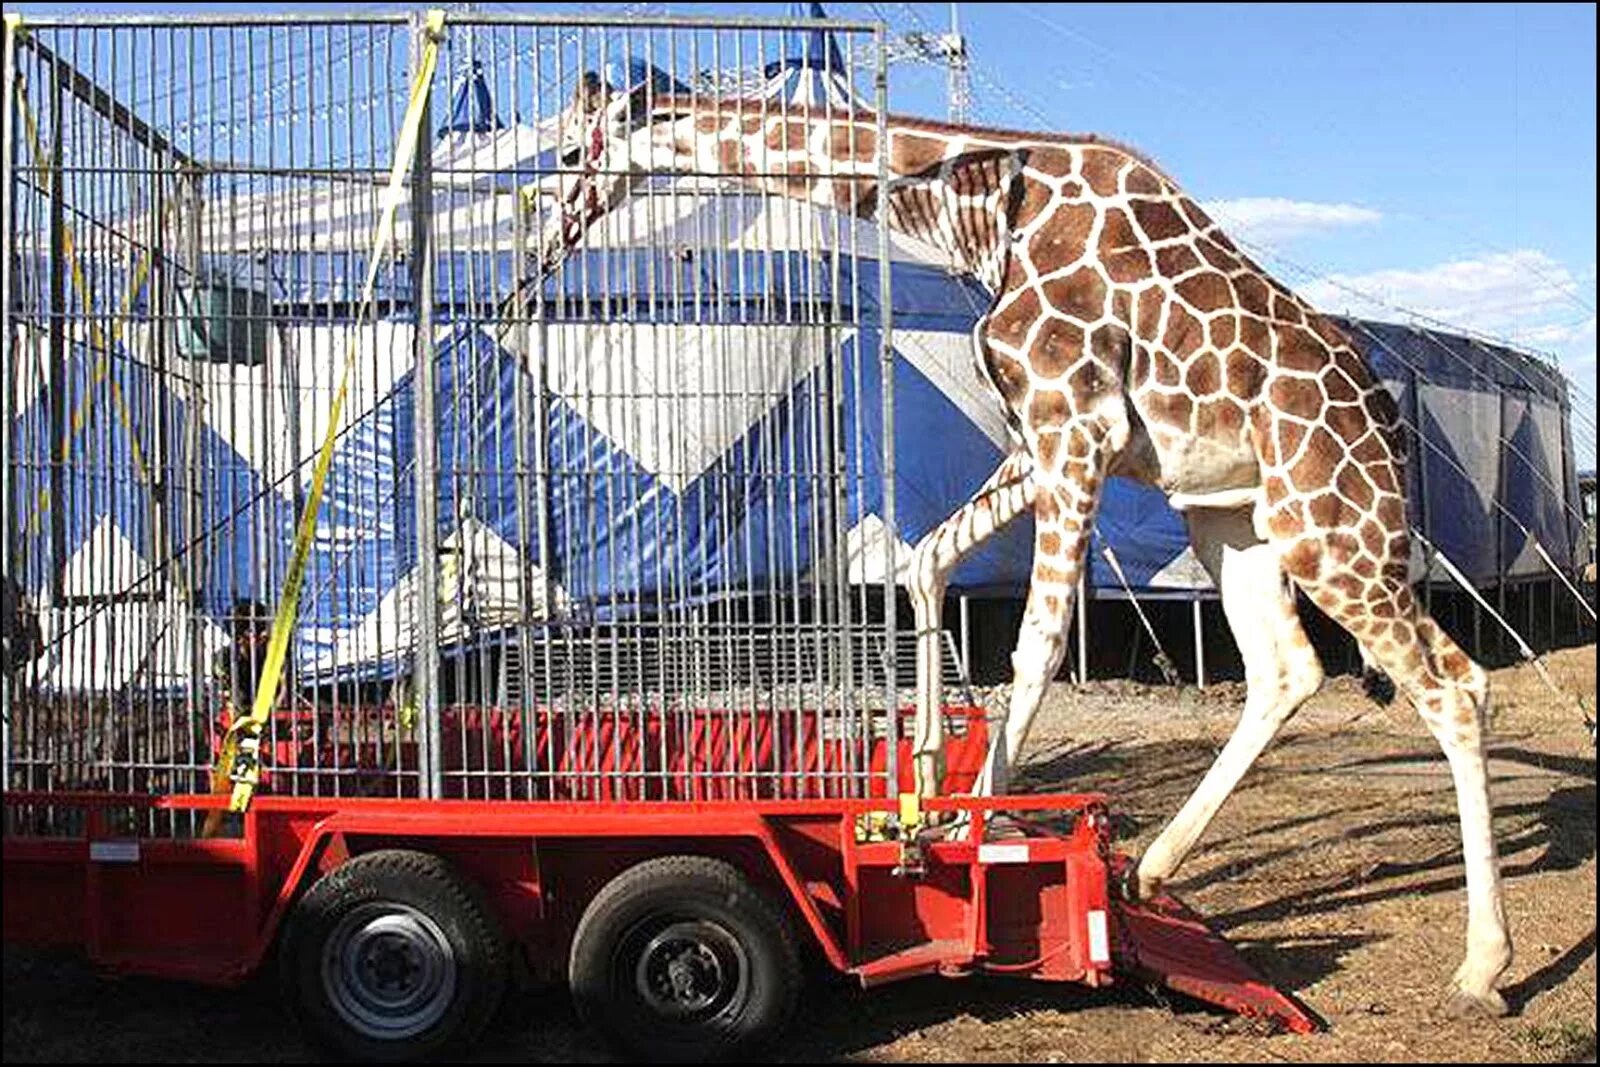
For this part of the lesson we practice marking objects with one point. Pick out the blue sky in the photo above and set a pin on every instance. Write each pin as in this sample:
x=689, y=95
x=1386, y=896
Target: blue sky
x=1440, y=158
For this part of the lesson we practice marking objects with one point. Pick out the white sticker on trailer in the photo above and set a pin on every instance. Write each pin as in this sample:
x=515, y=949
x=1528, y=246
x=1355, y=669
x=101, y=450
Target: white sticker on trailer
x=114, y=851
x=1099, y=938
x=1002, y=853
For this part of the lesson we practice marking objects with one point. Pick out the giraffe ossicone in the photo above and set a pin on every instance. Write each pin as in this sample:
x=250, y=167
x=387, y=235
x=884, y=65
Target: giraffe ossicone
x=1127, y=336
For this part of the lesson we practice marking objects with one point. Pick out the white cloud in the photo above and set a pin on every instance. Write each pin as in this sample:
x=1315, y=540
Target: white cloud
x=1525, y=295
x=1270, y=219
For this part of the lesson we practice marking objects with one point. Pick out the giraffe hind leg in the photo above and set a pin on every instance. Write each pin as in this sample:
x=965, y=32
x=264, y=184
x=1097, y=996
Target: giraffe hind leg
x=1281, y=672
x=1450, y=693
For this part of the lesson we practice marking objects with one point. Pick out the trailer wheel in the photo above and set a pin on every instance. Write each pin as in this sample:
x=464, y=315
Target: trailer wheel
x=392, y=957
x=682, y=959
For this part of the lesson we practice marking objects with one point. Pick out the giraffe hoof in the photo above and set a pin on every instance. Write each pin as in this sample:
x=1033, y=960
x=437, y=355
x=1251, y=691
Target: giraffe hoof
x=1463, y=1005
x=1128, y=882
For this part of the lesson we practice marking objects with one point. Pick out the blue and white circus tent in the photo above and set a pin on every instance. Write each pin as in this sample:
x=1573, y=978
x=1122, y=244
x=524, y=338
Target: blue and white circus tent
x=663, y=477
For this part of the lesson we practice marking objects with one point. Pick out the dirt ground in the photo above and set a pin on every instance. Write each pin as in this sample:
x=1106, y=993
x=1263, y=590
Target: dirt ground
x=1335, y=868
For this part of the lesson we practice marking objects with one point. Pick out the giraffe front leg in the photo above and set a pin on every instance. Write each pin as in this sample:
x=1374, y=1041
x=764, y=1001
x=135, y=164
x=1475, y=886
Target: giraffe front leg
x=1004, y=495
x=1064, y=507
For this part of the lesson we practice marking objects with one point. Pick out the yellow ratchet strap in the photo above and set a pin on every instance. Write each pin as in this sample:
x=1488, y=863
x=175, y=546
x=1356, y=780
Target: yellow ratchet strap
x=239, y=762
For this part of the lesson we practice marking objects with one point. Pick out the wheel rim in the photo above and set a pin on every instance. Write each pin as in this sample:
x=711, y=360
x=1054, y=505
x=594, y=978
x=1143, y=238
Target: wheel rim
x=689, y=971
x=389, y=971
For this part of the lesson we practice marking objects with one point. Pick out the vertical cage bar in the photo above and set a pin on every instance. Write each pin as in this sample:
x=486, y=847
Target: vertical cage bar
x=426, y=608
x=891, y=538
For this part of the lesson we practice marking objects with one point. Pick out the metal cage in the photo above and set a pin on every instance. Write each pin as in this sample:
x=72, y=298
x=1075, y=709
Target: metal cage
x=603, y=536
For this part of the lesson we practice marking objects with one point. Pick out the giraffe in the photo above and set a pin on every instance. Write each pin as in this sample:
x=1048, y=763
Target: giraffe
x=1127, y=336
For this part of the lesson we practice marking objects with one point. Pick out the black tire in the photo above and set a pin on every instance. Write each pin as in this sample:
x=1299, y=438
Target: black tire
x=354, y=945
x=681, y=959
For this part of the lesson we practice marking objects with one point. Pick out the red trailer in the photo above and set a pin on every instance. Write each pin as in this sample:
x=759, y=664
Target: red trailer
x=679, y=924
x=595, y=676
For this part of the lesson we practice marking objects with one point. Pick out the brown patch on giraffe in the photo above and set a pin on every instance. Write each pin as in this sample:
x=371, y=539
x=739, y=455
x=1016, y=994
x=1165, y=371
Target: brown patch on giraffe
x=1253, y=294
x=1043, y=572
x=1304, y=559
x=1174, y=260
x=1345, y=420
x=1229, y=417
x=1341, y=546
x=1372, y=537
x=1011, y=323
x=1316, y=462
x=913, y=154
x=1056, y=347
x=1198, y=219
x=1353, y=486
x=1100, y=169
x=1392, y=513
x=1290, y=434
x=1056, y=162
x=1340, y=389
x=1010, y=377
x=1049, y=542
x=1072, y=190
x=1148, y=319
x=1109, y=345
x=1365, y=567
x=1062, y=239
x=1245, y=374
x=1184, y=334
x=1296, y=396
x=1217, y=256
x=1129, y=266
x=730, y=154
x=1351, y=364
x=852, y=142
x=1036, y=196
x=1299, y=350
x=1369, y=450
x=1455, y=663
x=1206, y=292
x=1326, y=510
x=1167, y=409
x=1330, y=334
x=1044, y=508
x=1046, y=447
x=1204, y=375
x=1383, y=476
x=1049, y=407
x=1122, y=305
x=1255, y=336
x=1159, y=220
x=1141, y=182
x=1166, y=370
x=1285, y=309
x=709, y=122
x=1223, y=329
x=1080, y=295
x=1052, y=604
x=1079, y=445
x=788, y=135
x=1345, y=584
x=1276, y=488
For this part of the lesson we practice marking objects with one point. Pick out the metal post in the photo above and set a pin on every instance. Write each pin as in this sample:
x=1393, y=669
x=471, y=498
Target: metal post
x=1199, y=645
x=58, y=358
x=8, y=201
x=886, y=371
x=1083, y=624
x=426, y=609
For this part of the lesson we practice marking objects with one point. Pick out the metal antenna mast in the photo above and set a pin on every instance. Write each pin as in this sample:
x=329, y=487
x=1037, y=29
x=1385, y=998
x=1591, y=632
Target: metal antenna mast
x=948, y=50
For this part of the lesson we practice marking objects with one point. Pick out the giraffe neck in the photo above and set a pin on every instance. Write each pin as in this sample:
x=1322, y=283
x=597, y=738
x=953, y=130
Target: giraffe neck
x=954, y=201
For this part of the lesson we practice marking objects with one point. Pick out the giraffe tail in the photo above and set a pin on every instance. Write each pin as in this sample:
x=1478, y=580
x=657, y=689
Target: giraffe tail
x=1377, y=685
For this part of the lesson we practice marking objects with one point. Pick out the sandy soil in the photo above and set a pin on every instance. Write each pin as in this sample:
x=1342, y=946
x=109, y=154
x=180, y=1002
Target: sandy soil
x=1335, y=868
